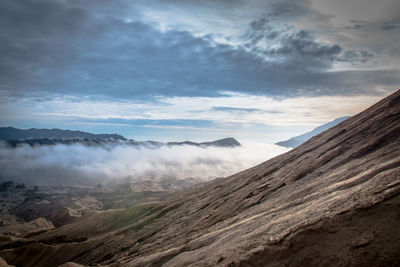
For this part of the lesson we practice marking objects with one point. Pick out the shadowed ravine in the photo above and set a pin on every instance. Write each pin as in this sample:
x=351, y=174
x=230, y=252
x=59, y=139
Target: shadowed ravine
x=334, y=200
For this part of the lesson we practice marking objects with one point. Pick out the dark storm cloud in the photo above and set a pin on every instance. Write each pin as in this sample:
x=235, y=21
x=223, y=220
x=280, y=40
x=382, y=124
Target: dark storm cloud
x=284, y=9
x=386, y=25
x=391, y=24
x=299, y=46
x=357, y=24
x=355, y=57
x=56, y=47
x=40, y=18
x=36, y=35
x=289, y=9
x=302, y=46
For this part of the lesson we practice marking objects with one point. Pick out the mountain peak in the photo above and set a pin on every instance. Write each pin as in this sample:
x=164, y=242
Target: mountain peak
x=225, y=142
x=298, y=140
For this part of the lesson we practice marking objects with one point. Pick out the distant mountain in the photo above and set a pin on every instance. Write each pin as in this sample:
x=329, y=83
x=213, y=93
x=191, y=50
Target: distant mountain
x=64, y=141
x=225, y=142
x=38, y=137
x=300, y=139
x=10, y=133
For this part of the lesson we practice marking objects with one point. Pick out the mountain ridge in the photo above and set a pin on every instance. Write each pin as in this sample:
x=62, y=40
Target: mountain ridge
x=11, y=133
x=14, y=137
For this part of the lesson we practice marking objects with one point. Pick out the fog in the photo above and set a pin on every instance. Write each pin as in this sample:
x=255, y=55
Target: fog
x=72, y=164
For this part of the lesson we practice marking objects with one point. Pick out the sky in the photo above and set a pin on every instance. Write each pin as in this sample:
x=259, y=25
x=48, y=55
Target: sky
x=173, y=70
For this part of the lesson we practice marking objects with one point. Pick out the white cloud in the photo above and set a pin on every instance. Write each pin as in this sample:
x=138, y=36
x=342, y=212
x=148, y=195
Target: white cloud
x=268, y=111
x=78, y=163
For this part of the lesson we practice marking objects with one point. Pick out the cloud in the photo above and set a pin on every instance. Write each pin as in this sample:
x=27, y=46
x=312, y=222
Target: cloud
x=383, y=24
x=232, y=109
x=61, y=48
x=224, y=18
x=290, y=46
x=61, y=164
x=34, y=35
x=391, y=24
x=233, y=114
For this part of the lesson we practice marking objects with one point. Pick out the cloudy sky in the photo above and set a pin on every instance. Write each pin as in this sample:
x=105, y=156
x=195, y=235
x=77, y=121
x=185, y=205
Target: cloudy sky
x=183, y=69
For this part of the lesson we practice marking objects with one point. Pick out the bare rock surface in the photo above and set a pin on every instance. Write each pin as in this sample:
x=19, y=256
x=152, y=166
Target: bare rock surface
x=333, y=201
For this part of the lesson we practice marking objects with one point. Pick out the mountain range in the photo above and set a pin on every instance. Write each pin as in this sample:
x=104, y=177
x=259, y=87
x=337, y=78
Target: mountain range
x=13, y=137
x=332, y=201
x=298, y=140
x=10, y=133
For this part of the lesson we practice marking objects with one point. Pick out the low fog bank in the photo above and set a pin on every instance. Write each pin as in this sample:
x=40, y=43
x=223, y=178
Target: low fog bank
x=79, y=164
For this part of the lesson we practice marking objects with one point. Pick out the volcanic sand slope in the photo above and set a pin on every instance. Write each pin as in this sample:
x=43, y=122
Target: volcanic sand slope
x=335, y=200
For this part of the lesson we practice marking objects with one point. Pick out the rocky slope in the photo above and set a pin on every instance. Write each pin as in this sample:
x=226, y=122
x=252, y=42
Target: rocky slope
x=333, y=201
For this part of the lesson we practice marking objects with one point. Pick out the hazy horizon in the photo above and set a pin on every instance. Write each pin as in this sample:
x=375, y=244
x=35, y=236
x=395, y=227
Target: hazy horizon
x=79, y=164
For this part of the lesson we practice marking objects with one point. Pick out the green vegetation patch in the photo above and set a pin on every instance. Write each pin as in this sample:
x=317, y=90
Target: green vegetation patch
x=136, y=213
x=154, y=214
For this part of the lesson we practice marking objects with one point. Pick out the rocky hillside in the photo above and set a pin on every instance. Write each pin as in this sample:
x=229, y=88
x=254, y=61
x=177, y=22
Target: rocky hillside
x=333, y=201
